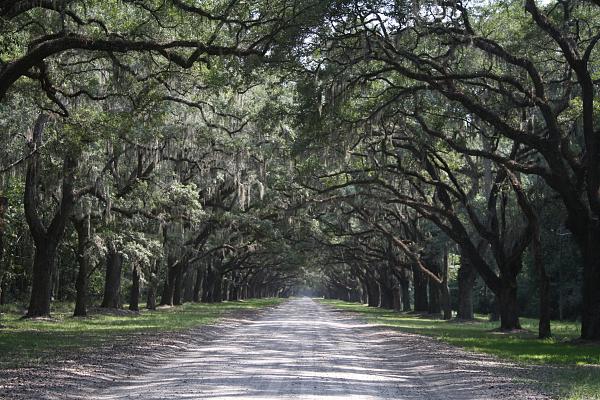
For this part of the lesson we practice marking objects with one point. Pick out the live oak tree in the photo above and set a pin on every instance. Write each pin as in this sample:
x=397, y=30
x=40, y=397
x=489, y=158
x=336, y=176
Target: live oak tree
x=390, y=152
x=451, y=62
x=559, y=121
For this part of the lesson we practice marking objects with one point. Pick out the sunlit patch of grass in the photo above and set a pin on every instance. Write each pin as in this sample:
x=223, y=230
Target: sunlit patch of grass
x=574, y=369
x=30, y=342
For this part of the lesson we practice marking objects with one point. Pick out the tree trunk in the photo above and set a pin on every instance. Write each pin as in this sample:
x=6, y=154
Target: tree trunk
x=169, y=287
x=234, y=290
x=508, y=305
x=151, y=298
x=178, y=284
x=544, y=330
x=225, y=288
x=233, y=293
x=112, y=283
x=134, y=294
x=188, y=285
x=397, y=299
x=152, y=284
x=3, y=208
x=466, y=282
x=81, y=284
x=46, y=239
x=445, y=299
x=435, y=305
x=445, y=290
x=405, y=293
x=2, y=290
x=495, y=310
x=364, y=292
x=41, y=287
x=208, y=285
x=354, y=294
x=590, y=318
x=387, y=297
x=420, y=290
x=198, y=285
x=386, y=285
x=373, y=293
x=217, y=294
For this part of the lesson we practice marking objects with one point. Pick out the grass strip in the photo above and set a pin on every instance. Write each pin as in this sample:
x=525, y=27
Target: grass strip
x=27, y=343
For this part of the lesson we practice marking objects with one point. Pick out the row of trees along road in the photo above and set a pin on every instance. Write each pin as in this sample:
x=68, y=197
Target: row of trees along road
x=417, y=155
x=134, y=148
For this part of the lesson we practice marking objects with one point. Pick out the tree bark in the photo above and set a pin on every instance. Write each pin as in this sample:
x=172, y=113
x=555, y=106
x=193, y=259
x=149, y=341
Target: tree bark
x=508, y=305
x=151, y=297
x=252, y=292
x=198, y=285
x=590, y=318
x=405, y=293
x=81, y=284
x=178, y=283
x=397, y=299
x=152, y=285
x=112, y=282
x=3, y=208
x=544, y=329
x=373, y=292
x=46, y=239
x=188, y=285
x=386, y=288
x=208, y=285
x=386, y=284
x=41, y=285
x=134, y=294
x=233, y=293
x=420, y=290
x=169, y=287
x=445, y=290
x=217, y=294
x=386, y=297
x=435, y=305
x=2, y=290
x=466, y=282
x=364, y=292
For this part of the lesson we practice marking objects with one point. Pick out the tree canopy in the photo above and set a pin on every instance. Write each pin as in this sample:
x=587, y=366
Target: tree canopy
x=435, y=156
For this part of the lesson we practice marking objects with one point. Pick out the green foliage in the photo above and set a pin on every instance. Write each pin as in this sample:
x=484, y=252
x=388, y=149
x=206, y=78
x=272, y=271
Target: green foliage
x=344, y=148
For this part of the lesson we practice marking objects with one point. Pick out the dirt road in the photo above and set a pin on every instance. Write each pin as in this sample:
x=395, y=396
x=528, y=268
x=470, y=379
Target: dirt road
x=303, y=350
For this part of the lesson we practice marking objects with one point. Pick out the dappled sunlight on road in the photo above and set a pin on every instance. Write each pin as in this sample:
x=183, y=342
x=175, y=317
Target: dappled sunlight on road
x=302, y=350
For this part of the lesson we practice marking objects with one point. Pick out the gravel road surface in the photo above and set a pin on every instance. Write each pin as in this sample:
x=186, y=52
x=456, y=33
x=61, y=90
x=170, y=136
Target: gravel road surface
x=304, y=350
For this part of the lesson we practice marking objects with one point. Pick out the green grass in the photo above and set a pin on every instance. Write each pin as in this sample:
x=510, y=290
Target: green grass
x=573, y=369
x=27, y=343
